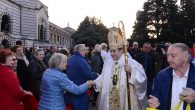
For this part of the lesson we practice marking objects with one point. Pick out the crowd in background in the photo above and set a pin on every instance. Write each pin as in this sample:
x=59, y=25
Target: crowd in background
x=24, y=71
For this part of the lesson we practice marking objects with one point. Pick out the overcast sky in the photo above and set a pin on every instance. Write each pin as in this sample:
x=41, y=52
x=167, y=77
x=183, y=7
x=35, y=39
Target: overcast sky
x=62, y=12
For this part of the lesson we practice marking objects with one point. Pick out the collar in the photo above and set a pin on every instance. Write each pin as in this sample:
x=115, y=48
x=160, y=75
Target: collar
x=78, y=54
x=185, y=75
x=121, y=60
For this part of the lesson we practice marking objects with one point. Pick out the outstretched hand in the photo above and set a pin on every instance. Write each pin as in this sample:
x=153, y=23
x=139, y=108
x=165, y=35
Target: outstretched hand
x=153, y=102
x=90, y=83
x=28, y=92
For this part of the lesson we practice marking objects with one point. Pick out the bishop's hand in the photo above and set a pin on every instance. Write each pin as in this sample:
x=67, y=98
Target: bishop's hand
x=128, y=69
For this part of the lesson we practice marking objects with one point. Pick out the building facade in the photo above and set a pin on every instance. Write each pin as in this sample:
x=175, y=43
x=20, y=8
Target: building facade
x=27, y=21
x=60, y=36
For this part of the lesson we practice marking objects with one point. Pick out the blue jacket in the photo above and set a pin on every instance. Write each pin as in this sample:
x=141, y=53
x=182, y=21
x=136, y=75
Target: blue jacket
x=53, y=86
x=79, y=71
x=163, y=87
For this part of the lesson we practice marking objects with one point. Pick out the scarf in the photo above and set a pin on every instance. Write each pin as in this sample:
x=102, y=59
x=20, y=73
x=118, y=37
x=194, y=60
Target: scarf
x=23, y=57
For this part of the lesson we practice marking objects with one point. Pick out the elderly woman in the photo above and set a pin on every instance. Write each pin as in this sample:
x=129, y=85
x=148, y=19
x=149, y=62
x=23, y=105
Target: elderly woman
x=55, y=83
x=10, y=91
x=36, y=68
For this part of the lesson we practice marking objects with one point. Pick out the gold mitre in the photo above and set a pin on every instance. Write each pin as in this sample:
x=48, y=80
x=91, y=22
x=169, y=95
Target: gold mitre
x=115, y=38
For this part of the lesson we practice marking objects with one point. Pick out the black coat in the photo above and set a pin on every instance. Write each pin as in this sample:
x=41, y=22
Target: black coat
x=96, y=63
x=22, y=73
x=36, y=69
x=150, y=68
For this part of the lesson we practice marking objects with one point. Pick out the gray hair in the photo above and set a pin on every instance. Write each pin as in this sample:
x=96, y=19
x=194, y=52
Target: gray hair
x=55, y=60
x=75, y=48
x=182, y=46
x=80, y=47
x=104, y=46
x=37, y=51
x=97, y=48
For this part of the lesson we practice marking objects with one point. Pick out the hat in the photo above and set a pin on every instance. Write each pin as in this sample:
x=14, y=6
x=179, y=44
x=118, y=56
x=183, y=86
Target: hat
x=115, y=38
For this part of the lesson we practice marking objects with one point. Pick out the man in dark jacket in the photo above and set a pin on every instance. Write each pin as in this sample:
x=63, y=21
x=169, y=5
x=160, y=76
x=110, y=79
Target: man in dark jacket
x=53, y=49
x=147, y=60
x=96, y=59
x=134, y=50
x=175, y=82
x=96, y=65
x=79, y=71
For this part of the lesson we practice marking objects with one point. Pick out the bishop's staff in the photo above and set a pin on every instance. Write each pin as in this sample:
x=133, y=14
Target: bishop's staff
x=122, y=30
x=131, y=91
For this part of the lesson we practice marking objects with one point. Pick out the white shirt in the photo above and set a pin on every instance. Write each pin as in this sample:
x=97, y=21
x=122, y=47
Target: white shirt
x=177, y=85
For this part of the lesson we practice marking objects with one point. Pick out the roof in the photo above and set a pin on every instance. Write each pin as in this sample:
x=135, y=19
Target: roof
x=69, y=29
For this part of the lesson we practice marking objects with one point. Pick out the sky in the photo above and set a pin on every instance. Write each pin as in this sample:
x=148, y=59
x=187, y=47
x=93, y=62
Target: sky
x=62, y=12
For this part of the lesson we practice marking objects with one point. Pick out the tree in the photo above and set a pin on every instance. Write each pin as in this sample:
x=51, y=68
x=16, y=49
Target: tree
x=172, y=28
x=161, y=21
x=90, y=32
x=101, y=31
x=152, y=20
x=188, y=20
x=155, y=17
x=140, y=31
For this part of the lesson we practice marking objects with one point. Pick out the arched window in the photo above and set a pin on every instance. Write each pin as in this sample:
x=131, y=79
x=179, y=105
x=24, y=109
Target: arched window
x=5, y=43
x=5, y=24
x=42, y=31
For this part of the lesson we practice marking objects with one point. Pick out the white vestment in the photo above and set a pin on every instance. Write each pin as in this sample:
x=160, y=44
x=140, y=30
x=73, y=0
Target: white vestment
x=138, y=80
x=104, y=54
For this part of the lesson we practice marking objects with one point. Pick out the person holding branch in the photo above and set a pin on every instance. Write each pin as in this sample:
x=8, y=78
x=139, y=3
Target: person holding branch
x=176, y=83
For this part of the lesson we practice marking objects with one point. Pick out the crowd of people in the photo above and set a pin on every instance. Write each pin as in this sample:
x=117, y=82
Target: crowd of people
x=155, y=77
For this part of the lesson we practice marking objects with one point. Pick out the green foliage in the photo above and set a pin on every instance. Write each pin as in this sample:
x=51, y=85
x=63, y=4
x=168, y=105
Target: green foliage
x=163, y=20
x=188, y=20
x=90, y=32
